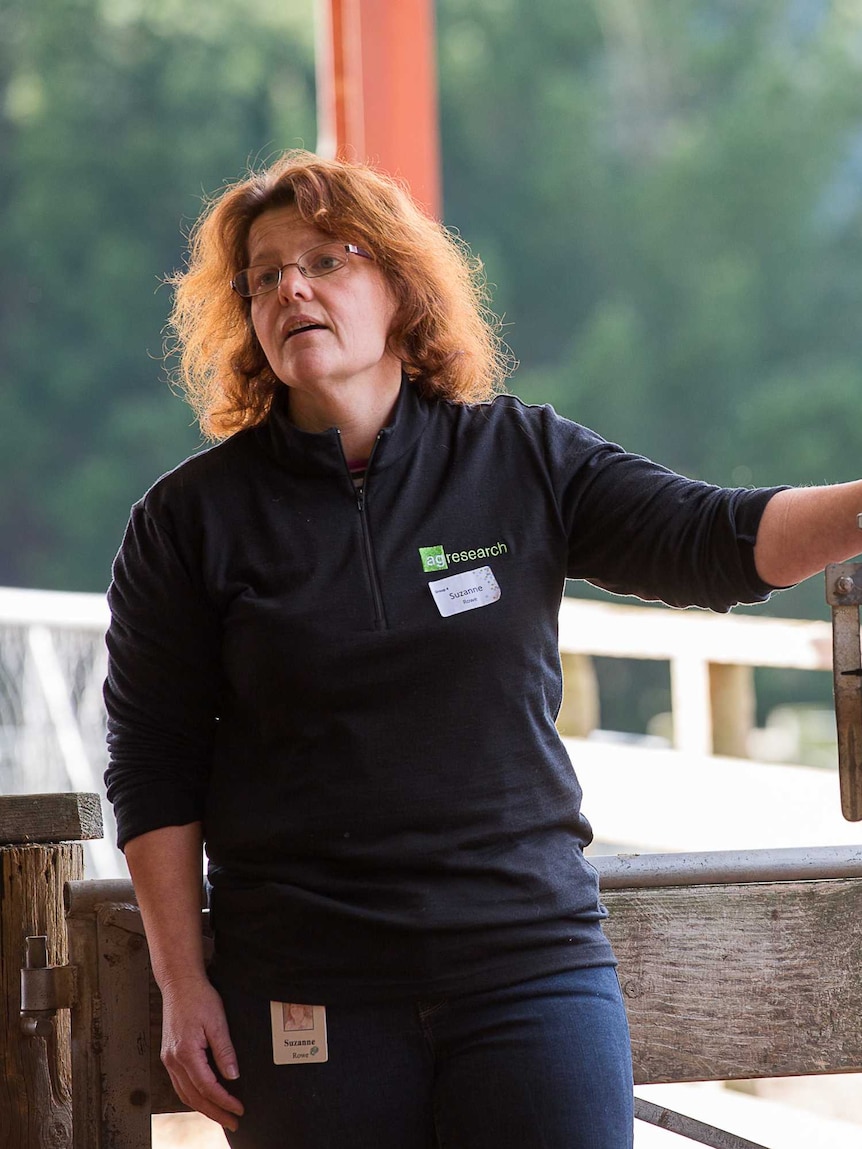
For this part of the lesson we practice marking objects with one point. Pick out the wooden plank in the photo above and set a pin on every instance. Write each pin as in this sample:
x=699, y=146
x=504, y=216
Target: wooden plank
x=733, y=704
x=690, y=703
x=580, y=713
x=721, y=981
x=124, y=969
x=28, y=818
x=86, y=1026
x=847, y=658
x=726, y=982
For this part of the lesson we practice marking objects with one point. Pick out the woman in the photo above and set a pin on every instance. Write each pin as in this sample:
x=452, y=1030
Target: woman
x=334, y=659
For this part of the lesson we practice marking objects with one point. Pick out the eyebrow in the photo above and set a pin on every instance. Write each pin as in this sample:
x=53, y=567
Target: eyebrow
x=268, y=255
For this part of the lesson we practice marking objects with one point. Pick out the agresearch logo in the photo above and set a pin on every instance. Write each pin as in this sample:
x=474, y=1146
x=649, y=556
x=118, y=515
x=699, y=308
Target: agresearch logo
x=438, y=558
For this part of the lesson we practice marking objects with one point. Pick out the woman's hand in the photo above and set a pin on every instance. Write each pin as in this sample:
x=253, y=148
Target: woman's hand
x=166, y=869
x=194, y=1022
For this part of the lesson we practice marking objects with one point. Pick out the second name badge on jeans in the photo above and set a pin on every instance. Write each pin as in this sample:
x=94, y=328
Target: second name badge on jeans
x=298, y=1033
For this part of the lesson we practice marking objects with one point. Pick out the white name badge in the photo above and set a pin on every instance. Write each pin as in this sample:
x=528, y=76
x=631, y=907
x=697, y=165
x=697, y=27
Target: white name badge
x=298, y=1033
x=465, y=591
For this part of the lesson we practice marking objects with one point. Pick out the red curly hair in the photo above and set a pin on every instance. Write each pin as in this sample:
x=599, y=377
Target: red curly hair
x=443, y=331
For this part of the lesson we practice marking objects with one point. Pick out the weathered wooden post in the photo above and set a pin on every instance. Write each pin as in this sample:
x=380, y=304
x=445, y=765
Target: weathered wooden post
x=734, y=706
x=580, y=712
x=40, y=849
x=111, y=1022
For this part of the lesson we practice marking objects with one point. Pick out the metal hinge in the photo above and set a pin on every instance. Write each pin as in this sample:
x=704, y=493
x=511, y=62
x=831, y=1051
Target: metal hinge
x=44, y=989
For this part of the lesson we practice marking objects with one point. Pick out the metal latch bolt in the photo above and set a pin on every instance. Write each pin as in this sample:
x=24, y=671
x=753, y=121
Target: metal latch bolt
x=44, y=989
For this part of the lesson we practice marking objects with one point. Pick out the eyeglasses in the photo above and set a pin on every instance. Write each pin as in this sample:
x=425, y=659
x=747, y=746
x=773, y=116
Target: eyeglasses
x=322, y=260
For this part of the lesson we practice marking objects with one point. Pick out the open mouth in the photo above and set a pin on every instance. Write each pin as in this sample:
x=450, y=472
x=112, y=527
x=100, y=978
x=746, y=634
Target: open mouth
x=301, y=330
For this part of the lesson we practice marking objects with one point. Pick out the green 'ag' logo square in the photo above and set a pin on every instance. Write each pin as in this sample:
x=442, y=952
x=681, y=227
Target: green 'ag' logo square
x=433, y=558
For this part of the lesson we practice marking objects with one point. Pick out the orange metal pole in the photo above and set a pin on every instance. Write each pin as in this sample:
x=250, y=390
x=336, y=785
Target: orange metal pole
x=377, y=89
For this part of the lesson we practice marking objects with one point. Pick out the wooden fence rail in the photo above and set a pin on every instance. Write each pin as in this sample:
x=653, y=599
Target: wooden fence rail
x=732, y=966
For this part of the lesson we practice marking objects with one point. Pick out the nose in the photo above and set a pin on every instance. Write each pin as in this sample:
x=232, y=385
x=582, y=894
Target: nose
x=293, y=283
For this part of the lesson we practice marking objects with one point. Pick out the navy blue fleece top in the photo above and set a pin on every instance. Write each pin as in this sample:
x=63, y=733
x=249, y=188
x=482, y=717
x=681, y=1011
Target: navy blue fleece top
x=356, y=691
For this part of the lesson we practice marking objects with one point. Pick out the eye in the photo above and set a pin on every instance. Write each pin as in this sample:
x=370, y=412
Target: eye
x=322, y=262
x=264, y=278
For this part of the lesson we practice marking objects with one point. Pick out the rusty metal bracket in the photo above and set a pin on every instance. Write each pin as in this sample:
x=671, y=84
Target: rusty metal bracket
x=688, y=1127
x=844, y=595
x=44, y=989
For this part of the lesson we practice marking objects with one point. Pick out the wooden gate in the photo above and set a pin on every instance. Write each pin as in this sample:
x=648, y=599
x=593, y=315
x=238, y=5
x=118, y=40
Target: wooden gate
x=732, y=966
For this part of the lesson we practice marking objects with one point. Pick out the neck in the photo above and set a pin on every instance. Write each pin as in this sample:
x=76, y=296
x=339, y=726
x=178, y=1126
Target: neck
x=359, y=417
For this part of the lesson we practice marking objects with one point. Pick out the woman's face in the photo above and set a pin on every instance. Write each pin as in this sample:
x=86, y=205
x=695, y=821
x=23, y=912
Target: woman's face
x=326, y=333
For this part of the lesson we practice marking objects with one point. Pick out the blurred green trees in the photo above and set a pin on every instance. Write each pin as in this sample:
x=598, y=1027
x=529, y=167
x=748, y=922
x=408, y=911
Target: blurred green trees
x=116, y=116
x=669, y=193
x=666, y=194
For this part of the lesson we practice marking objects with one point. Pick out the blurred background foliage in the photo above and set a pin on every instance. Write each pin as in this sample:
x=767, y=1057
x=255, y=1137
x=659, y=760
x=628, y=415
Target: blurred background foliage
x=117, y=117
x=667, y=195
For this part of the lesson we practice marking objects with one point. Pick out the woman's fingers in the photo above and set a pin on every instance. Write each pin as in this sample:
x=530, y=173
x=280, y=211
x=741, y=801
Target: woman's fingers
x=210, y=1099
x=193, y=1023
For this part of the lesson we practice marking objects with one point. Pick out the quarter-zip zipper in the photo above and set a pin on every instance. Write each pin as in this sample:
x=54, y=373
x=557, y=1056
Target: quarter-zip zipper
x=368, y=550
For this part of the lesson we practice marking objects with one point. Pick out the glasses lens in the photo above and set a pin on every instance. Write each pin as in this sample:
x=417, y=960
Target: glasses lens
x=256, y=280
x=262, y=279
x=323, y=260
x=240, y=284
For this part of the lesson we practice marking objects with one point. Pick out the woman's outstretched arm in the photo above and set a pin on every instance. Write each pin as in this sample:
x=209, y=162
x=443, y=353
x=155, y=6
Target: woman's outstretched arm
x=804, y=528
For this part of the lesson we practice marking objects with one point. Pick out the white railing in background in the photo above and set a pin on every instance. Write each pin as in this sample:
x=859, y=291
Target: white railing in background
x=52, y=665
x=52, y=722
x=712, y=658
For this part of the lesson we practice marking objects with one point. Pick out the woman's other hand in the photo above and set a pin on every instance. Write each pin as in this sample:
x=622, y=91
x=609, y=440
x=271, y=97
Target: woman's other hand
x=194, y=1025
x=166, y=869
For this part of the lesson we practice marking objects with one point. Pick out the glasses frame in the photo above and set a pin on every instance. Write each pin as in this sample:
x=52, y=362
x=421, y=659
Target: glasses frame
x=349, y=249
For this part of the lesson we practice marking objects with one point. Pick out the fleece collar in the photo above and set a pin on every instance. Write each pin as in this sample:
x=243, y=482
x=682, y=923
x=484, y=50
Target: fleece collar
x=318, y=453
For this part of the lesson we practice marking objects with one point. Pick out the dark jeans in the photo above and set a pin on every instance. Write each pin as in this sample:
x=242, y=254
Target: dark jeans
x=544, y=1064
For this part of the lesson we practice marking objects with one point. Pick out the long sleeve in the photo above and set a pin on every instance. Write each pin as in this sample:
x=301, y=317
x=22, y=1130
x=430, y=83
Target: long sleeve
x=637, y=528
x=162, y=687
